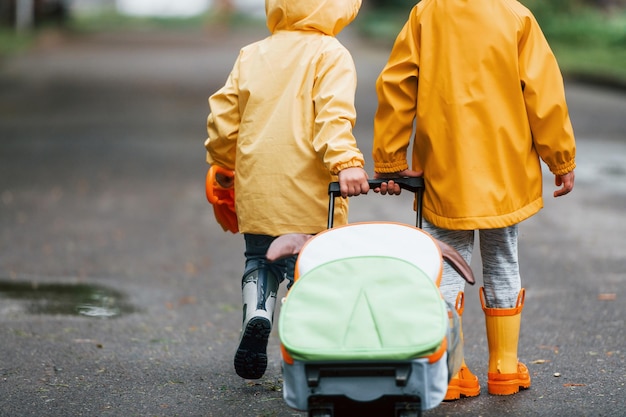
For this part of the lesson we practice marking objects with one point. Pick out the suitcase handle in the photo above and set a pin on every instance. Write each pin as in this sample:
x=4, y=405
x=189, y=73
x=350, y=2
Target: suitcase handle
x=413, y=184
x=400, y=371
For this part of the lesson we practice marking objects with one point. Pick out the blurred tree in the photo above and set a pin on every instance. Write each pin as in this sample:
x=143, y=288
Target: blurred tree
x=555, y=5
x=224, y=6
x=606, y=4
x=392, y=4
x=24, y=14
x=6, y=13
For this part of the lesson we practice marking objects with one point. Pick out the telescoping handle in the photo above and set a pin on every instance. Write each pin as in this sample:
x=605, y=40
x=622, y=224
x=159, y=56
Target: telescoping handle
x=413, y=184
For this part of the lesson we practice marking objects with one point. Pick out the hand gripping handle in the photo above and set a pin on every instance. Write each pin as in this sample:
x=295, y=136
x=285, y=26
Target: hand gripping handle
x=413, y=184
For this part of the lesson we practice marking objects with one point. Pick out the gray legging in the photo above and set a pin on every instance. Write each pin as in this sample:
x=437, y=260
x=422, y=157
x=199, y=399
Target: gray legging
x=498, y=249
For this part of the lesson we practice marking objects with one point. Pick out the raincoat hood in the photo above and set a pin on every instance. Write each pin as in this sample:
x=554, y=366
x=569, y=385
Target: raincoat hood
x=326, y=16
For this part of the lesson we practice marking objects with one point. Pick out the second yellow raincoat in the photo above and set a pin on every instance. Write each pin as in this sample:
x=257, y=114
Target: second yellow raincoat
x=283, y=121
x=487, y=97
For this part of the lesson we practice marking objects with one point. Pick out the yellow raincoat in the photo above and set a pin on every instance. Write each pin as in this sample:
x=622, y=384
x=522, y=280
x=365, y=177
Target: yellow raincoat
x=487, y=97
x=283, y=121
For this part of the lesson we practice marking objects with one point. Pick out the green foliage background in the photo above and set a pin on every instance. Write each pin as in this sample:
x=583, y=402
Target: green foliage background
x=588, y=36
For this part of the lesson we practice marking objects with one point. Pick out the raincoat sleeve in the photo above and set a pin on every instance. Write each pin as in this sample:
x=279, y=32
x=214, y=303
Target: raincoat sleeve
x=397, y=101
x=544, y=98
x=335, y=115
x=223, y=123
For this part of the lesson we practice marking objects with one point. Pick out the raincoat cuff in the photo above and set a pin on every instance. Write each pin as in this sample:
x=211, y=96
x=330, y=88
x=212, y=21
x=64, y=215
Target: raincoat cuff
x=354, y=163
x=564, y=168
x=390, y=167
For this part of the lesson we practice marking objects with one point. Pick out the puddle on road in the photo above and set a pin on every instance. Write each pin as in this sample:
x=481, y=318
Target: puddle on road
x=66, y=299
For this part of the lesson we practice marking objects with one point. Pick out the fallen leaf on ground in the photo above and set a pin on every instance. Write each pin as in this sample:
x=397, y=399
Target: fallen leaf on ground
x=187, y=300
x=607, y=297
x=555, y=349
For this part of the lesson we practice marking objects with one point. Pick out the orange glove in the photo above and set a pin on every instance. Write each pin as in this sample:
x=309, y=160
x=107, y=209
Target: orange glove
x=222, y=199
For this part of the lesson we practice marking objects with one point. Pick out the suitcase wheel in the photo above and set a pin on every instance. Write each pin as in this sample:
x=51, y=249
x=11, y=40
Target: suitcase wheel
x=321, y=412
x=407, y=413
x=408, y=409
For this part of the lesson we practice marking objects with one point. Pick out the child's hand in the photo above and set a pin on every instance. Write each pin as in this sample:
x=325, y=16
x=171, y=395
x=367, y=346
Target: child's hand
x=353, y=181
x=567, y=181
x=391, y=187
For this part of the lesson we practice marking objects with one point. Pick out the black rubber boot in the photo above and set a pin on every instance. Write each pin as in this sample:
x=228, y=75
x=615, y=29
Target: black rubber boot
x=259, y=288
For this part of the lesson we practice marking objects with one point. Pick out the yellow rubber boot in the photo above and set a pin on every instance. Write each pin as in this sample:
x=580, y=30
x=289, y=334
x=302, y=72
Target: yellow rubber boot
x=506, y=374
x=464, y=383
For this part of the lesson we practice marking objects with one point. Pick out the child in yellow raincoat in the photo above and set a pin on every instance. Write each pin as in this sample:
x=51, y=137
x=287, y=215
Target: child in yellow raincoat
x=283, y=122
x=486, y=95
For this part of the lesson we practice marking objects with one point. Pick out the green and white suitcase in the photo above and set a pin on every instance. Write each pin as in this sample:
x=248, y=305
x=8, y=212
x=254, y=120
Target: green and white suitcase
x=364, y=329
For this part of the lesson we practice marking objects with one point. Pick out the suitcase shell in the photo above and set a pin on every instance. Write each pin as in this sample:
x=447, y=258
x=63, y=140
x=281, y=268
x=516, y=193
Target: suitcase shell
x=365, y=321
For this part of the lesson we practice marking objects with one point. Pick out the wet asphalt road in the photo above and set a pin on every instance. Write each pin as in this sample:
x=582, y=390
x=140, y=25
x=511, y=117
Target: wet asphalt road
x=102, y=210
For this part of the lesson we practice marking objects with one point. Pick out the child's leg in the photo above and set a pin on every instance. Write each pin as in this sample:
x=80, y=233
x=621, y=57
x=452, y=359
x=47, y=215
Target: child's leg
x=502, y=282
x=464, y=383
x=259, y=285
x=502, y=300
x=461, y=240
